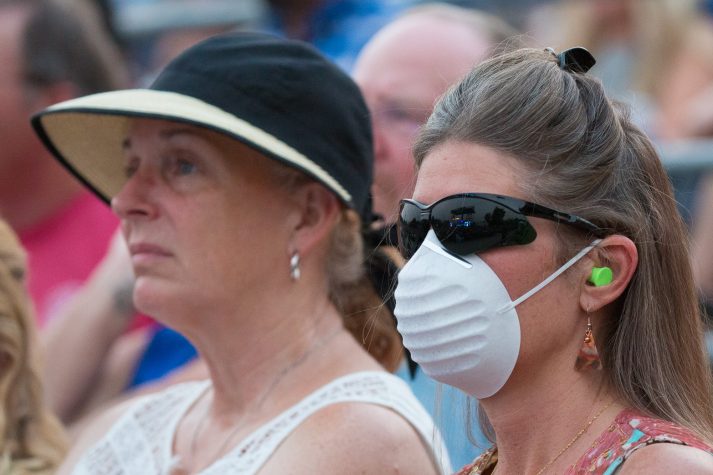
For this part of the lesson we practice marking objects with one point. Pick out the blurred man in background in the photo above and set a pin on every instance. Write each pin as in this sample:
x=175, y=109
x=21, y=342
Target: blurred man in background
x=402, y=71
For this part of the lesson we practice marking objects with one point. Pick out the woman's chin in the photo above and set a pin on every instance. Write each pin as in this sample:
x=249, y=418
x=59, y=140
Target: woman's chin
x=153, y=298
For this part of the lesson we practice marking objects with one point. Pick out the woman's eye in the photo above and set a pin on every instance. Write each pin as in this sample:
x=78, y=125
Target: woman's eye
x=184, y=167
x=179, y=165
x=397, y=114
x=130, y=168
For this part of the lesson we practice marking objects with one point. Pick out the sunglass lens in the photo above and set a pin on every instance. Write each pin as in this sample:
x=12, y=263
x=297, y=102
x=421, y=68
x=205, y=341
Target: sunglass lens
x=413, y=228
x=468, y=224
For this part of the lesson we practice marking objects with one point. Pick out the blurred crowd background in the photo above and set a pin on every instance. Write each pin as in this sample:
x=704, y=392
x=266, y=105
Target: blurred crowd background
x=656, y=55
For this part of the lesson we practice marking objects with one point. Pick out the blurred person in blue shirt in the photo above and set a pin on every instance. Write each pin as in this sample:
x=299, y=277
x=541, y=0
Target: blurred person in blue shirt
x=338, y=28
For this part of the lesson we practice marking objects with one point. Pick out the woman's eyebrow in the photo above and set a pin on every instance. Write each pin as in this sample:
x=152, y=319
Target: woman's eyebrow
x=168, y=134
x=174, y=131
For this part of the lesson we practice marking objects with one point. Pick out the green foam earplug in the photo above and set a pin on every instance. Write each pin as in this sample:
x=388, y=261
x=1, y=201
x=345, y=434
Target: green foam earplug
x=601, y=276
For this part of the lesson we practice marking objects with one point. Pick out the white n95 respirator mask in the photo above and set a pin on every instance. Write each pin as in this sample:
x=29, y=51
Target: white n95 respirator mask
x=457, y=319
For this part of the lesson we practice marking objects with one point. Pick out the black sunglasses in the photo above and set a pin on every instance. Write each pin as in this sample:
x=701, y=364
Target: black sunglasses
x=469, y=223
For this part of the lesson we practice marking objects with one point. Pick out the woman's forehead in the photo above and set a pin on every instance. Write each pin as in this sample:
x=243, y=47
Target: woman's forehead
x=237, y=156
x=167, y=132
x=165, y=129
x=461, y=167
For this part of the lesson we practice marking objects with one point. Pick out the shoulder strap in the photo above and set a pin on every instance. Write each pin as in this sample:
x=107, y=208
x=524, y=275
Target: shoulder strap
x=647, y=431
x=377, y=388
x=140, y=440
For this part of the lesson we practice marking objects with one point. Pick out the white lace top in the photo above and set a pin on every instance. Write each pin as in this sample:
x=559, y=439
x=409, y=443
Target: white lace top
x=141, y=441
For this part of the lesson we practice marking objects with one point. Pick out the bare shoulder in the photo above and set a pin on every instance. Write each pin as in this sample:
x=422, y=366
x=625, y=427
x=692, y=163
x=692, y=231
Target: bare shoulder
x=668, y=458
x=353, y=438
x=91, y=433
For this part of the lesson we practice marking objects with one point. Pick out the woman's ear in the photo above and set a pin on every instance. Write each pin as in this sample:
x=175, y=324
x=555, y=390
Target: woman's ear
x=318, y=210
x=619, y=254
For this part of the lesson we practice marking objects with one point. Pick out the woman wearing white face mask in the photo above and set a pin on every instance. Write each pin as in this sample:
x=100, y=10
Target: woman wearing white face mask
x=549, y=276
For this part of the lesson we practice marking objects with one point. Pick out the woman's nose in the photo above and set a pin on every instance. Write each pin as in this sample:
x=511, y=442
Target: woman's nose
x=134, y=199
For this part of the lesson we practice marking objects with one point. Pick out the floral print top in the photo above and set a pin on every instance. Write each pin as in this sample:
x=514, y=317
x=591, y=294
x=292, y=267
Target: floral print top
x=630, y=431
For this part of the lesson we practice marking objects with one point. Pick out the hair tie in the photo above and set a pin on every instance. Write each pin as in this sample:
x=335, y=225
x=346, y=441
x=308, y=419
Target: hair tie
x=574, y=60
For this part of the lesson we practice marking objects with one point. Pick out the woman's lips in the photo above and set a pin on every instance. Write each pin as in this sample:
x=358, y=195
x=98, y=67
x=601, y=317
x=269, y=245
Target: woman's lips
x=146, y=253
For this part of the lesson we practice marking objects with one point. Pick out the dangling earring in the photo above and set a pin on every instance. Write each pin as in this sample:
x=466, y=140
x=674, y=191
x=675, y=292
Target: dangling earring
x=588, y=356
x=295, y=266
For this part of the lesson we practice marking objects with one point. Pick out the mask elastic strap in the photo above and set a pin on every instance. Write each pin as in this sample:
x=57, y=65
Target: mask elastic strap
x=552, y=277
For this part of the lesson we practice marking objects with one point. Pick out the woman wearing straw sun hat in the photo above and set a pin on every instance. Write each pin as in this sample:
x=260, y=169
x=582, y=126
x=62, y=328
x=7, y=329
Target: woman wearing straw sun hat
x=241, y=178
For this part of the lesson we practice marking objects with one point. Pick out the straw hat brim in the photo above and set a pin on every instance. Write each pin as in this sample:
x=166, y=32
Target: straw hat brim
x=87, y=134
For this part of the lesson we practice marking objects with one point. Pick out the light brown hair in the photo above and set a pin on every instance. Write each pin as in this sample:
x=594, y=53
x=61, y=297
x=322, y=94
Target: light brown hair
x=582, y=154
x=31, y=438
x=365, y=314
x=351, y=287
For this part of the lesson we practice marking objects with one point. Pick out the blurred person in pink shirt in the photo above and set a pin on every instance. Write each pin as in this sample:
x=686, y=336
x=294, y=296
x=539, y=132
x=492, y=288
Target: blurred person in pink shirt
x=50, y=53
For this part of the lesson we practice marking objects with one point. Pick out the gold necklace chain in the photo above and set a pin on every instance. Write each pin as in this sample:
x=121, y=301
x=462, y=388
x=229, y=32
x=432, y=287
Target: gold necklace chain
x=575, y=438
